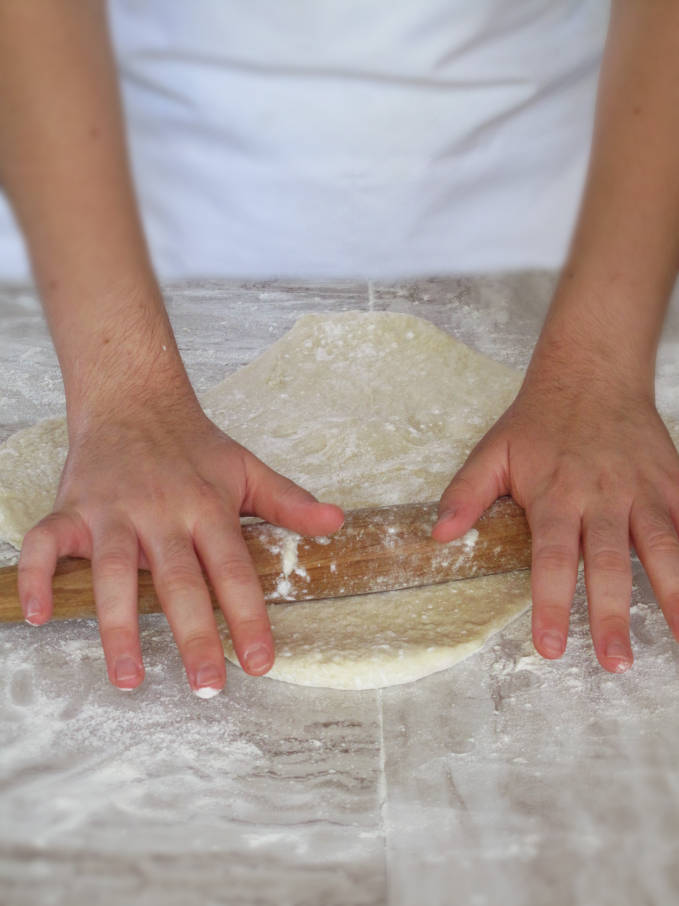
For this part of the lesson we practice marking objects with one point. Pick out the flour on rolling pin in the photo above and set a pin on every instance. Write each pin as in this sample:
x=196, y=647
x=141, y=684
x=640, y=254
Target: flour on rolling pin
x=377, y=549
x=290, y=564
x=469, y=539
x=285, y=545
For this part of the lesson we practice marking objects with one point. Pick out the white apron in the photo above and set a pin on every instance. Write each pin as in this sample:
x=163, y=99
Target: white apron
x=354, y=137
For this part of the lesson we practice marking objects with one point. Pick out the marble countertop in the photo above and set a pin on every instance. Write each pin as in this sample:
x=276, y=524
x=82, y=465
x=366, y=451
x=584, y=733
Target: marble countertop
x=506, y=779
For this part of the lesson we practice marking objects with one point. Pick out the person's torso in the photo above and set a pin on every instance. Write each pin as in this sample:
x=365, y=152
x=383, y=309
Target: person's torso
x=357, y=137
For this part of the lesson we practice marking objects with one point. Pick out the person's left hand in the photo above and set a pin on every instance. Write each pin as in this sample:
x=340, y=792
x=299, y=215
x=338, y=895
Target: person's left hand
x=594, y=467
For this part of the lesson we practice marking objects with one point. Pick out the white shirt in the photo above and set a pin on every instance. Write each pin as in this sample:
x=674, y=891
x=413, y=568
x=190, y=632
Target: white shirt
x=354, y=137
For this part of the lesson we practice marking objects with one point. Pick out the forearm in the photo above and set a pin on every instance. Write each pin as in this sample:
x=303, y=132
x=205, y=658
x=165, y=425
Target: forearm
x=64, y=166
x=612, y=297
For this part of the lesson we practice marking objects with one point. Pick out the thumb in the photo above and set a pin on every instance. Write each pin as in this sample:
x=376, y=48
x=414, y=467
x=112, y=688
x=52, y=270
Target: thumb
x=282, y=502
x=481, y=480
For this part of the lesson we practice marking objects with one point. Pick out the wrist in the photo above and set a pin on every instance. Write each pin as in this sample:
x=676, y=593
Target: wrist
x=565, y=372
x=128, y=407
x=129, y=366
x=598, y=338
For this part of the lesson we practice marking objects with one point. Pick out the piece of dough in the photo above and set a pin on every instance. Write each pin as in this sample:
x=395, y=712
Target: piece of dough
x=362, y=409
x=388, y=638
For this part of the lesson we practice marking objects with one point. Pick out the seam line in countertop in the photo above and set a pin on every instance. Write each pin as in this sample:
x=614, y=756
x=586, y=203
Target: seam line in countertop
x=382, y=791
x=371, y=296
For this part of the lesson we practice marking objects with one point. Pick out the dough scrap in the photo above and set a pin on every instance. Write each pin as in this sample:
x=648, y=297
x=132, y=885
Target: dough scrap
x=363, y=409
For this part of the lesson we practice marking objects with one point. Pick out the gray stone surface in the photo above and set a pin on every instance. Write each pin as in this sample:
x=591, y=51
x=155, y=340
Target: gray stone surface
x=506, y=779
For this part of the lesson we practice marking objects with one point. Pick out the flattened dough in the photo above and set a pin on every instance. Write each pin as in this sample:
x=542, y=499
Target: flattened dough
x=362, y=409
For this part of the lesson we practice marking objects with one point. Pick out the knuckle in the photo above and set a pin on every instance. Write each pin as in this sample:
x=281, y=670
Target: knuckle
x=550, y=613
x=181, y=577
x=662, y=541
x=551, y=520
x=459, y=493
x=155, y=499
x=609, y=560
x=200, y=640
x=204, y=489
x=598, y=531
x=28, y=573
x=553, y=557
x=117, y=635
x=43, y=531
x=609, y=485
x=234, y=571
x=61, y=523
x=288, y=490
x=461, y=484
x=559, y=486
x=208, y=500
x=565, y=475
x=657, y=532
x=611, y=624
x=114, y=562
x=175, y=547
x=244, y=627
x=670, y=602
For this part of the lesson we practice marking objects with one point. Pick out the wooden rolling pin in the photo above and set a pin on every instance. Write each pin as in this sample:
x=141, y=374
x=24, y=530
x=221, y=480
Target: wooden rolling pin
x=377, y=549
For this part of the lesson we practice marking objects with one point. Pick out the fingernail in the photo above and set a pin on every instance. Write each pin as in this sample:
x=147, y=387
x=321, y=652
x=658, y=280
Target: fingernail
x=33, y=612
x=446, y=514
x=552, y=643
x=618, y=649
x=208, y=681
x=257, y=658
x=207, y=691
x=126, y=671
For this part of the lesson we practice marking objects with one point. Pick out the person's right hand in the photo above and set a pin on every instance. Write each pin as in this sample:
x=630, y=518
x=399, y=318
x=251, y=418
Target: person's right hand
x=163, y=488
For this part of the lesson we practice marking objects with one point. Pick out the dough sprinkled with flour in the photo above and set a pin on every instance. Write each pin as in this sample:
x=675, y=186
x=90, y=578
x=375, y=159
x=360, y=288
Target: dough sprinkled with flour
x=362, y=409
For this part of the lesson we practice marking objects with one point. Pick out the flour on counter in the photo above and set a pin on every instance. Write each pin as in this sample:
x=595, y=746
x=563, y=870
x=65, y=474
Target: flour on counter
x=314, y=406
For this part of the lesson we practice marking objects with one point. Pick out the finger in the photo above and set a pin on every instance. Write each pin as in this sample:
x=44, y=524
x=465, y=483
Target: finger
x=57, y=535
x=282, y=502
x=182, y=591
x=608, y=575
x=115, y=556
x=555, y=533
x=478, y=484
x=656, y=543
x=227, y=562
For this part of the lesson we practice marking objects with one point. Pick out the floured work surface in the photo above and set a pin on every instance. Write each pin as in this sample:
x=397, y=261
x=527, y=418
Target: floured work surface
x=362, y=409
x=509, y=779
